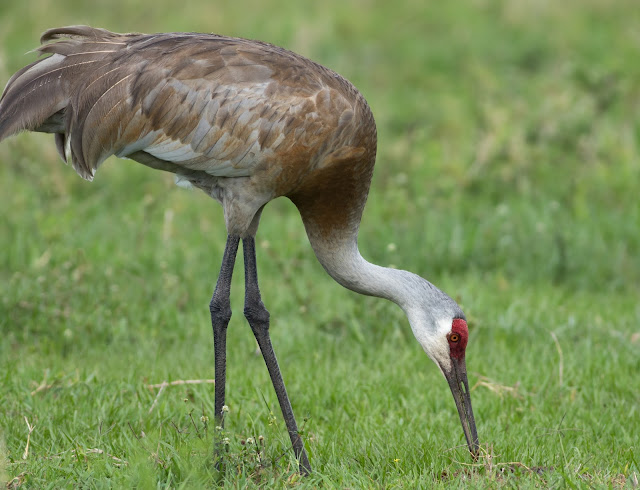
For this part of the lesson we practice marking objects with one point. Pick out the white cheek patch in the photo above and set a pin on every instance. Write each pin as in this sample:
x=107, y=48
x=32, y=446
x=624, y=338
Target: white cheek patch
x=434, y=343
x=444, y=327
x=440, y=353
x=432, y=335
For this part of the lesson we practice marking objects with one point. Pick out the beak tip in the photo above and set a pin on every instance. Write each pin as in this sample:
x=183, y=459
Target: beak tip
x=457, y=379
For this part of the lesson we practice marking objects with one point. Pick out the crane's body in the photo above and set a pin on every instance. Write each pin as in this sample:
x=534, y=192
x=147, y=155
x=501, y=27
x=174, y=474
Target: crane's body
x=243, y=120
x=246, y=122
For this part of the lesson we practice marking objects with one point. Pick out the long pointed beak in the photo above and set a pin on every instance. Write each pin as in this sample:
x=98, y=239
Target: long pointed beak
x=457, y=378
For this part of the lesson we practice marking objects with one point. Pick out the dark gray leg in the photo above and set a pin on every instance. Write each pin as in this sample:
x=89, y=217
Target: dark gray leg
x=258, y=318
x=220, y=315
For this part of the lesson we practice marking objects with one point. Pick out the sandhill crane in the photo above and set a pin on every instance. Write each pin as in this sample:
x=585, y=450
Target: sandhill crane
x=246, y=122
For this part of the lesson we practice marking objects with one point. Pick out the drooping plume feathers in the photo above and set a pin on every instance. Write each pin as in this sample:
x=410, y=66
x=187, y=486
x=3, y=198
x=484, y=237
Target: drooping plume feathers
x=46, y=95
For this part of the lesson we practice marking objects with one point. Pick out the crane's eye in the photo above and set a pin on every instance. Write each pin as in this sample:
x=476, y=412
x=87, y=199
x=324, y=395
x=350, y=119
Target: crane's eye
x=454, y=337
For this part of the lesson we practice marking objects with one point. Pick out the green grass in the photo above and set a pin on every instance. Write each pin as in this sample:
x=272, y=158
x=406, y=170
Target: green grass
x=508, y=174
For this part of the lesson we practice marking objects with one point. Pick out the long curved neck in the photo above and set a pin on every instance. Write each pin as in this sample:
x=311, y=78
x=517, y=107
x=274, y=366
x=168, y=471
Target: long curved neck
x=331, y=200
x=343, y=262
x=425, y=306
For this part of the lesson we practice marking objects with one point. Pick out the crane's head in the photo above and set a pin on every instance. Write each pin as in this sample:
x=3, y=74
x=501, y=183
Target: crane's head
x=445, y=341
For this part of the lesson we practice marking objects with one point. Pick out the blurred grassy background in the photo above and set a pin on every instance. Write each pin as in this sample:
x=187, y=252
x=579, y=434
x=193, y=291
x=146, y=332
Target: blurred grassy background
x=508, y=174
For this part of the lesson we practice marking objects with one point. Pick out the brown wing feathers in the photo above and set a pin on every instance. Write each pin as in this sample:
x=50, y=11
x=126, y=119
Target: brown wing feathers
x=97, y=79
x=37, y=98
x=205, y=102
x=33, y=96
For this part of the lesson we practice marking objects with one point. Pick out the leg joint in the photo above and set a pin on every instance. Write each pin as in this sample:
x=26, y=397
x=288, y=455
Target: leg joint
x=256, y=314
x=220, y=310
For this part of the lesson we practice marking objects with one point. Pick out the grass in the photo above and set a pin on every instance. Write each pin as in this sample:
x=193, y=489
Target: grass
x=508, y=173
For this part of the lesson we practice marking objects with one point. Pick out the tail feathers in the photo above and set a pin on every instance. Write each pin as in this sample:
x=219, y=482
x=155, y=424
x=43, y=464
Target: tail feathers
x=36, y=98
x=32, y=96
x=79, y=32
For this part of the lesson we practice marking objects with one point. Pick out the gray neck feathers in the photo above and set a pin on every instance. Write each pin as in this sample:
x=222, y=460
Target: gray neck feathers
x=343, y=262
